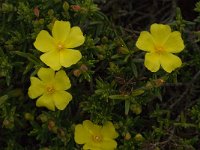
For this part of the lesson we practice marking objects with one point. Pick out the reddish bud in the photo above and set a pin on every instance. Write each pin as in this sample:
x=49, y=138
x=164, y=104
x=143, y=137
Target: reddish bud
x=36, y=11
x=51, y=124
x=159, y=82
x=77, y=72
x=75, y=7
x=83, y=68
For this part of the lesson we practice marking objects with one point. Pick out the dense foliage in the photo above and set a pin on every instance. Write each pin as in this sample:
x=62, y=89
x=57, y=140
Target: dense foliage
x=110, y=83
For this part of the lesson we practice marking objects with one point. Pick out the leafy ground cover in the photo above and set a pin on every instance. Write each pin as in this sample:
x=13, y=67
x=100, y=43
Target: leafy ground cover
x=111, y=87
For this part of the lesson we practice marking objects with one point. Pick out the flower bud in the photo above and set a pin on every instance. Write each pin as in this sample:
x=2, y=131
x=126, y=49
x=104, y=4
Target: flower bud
x=159, y=82
x=29, y=116
x=51, y=124
x=136, y=108
x=36, y=11
x=65, y=6
x=8, y=123
x=127, y=136
x=77, y=72
x=42, y=117
x=84, y=68
x=75, y=7
x=138, y=137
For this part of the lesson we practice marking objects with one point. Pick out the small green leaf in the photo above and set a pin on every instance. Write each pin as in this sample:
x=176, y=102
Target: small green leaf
x=134, y=69
x=127, y=107
x=28, y=56
x=119, y=97
x=137, y=92
x=3, y=99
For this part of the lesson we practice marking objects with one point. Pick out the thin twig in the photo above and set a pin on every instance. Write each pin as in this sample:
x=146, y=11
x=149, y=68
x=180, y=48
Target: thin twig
x=186, y=90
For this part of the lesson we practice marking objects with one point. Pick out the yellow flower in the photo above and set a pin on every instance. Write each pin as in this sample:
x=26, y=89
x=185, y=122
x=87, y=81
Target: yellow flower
x=50, y=88
x=95, y=137
x=159, y=44
x=58, y=50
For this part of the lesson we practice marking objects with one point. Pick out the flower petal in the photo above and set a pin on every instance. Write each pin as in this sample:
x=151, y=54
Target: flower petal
x=46, y=101
x=92, y=146
x=170, y=62
x=46, y=74
x=160, y=33
x=92, y=128
x=36, y=89
x=44, y=42
x=174, y=43
x=75, y=38
x=108, y=144
x=61, y=30
x=87, y=124
x=82, y=135
x=52, y=59
x=62, y=81
x=104, y=145
x=145, y=42
x=108, y=131
x=69, y=57
x=61, y=99
x=152, y=62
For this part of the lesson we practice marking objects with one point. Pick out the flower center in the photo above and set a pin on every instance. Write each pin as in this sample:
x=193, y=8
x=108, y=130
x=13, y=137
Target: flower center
x=159, y=49
x=60, y=46
x=50, y=89
x=97, y=138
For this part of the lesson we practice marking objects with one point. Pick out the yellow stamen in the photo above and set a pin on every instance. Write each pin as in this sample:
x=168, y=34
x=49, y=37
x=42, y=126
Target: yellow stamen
x=97, y=138
x=60, y=46
x=50, y=89
x=159, y=49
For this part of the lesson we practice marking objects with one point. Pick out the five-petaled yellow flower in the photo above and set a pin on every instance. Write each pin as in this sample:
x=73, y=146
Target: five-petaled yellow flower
x=95, y=137
x=160, y=43
x=58, y=50
x=50, y=88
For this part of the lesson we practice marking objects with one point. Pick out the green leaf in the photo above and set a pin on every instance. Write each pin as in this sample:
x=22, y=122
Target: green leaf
x=134, y=69
x=3, y=99
x=127, y=107
x=137, y=92
x=28, y=56
x=119, y=97
x=197, y=7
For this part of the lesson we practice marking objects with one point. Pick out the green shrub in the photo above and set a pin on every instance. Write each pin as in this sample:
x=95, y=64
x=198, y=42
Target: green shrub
x=149, y=110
